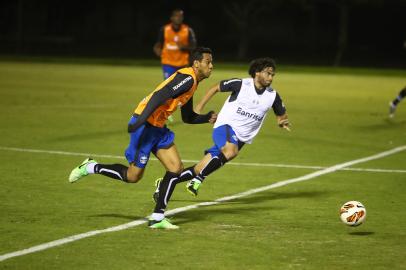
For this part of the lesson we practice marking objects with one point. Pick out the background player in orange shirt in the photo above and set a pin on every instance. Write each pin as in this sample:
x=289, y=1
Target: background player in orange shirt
x=148, y=133
x=175, y=42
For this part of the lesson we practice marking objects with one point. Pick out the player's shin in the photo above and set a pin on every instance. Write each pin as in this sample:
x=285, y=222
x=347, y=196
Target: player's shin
x=166, y=188
x=115, y=171
x=214, y=164
x=187, y=174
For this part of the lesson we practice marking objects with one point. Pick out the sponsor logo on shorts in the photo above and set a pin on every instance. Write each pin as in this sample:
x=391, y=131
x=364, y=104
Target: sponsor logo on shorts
x=234, y=138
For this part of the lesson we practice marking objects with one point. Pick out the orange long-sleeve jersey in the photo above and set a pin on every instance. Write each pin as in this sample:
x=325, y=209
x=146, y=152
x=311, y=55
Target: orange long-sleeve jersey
x=173, y=92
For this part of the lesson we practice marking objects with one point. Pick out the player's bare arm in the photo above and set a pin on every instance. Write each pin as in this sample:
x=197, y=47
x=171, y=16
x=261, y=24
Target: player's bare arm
x=158, y=49
x=209, y=94
x=192, y=42
x=159, y=44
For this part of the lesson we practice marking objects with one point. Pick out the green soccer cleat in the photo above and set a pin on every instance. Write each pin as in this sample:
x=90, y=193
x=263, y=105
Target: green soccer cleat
x=156, y=193
x=161, y=224
x=80, y=171
x=193, y=186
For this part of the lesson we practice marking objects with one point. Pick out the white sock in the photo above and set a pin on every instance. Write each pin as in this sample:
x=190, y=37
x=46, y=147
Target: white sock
x=90, y=167
x=157, y=216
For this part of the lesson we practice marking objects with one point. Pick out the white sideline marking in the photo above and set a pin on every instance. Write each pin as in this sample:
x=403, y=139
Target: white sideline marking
x=193, y=206
x=195, y=161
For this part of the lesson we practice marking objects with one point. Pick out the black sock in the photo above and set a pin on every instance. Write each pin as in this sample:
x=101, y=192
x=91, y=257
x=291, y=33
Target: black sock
x=402, y=93
x=116, y=171
x=166, y=188
x=401, y=96
x=213, y=165
x=187, y=174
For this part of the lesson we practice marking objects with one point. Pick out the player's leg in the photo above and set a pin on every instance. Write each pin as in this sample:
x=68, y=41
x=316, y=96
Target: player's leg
x=393, y=104
x=137, y=155
x=225, y=149
x=131, y=174
x=186, y=175
x=212, y=163
x=170, y=159
x=167, y=153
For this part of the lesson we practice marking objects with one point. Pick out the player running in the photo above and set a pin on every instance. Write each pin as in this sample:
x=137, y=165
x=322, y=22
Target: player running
x=148, y=133
x=394, y=103
x=239, y=120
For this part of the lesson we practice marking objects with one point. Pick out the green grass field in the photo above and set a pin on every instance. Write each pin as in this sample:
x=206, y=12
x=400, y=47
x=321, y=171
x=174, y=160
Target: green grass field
x=337, y=116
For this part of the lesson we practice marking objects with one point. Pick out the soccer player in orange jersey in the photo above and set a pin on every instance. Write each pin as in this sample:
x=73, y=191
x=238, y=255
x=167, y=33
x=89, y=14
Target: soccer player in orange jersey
x=175, y=42
x=148, y=133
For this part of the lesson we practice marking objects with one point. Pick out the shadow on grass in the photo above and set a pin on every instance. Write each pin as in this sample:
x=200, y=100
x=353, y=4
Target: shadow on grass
x=361, y=233
x=232, y=207
x=242, y=205
x=386, y=123
x=271, y=195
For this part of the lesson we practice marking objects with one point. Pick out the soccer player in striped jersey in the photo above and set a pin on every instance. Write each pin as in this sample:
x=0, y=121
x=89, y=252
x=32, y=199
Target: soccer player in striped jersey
x=148, y=133
x=239, y=120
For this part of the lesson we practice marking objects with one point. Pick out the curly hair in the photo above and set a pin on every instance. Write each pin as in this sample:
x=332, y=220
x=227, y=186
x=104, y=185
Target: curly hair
x=257, y=65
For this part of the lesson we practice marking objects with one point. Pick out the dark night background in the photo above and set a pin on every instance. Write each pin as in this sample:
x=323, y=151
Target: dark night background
x=335, y=32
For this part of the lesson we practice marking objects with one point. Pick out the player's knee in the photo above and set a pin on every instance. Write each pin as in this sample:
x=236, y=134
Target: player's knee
x=230, y=153
x=177, y=168
x=133, y=177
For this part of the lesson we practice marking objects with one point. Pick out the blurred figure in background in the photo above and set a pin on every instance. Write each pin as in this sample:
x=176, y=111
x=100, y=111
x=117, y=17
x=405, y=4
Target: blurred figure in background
x=394, y=103
x=175, y=42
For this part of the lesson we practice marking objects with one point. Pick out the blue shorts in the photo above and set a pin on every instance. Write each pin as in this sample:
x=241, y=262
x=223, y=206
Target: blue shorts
x=169, y=70
x=221, y=135
x=145, y=140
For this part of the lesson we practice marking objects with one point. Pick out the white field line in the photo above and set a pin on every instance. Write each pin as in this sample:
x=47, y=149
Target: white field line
x=186, y=208
x=293, y=166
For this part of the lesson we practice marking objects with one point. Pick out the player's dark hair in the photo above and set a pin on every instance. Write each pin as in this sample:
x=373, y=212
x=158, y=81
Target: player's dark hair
x=197, y=54
x=176, y=10
x=257, y=65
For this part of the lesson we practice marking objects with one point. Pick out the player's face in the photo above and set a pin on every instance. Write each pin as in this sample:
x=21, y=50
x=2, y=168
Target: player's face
x=265, y=77
x=177, y=18
x=205, y=66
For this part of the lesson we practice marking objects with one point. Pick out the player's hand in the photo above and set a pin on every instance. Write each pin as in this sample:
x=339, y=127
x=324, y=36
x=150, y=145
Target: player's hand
x=181, y=46
x=284, y=123
x=213, y=118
